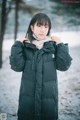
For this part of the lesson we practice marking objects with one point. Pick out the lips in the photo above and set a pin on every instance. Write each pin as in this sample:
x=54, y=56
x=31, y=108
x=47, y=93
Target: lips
x=41, y=34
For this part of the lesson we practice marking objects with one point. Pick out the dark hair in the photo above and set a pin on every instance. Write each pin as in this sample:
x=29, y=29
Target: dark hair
x=41, y=19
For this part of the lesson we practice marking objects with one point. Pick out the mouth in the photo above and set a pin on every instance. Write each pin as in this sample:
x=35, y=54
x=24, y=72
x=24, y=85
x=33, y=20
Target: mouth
x=41, y=35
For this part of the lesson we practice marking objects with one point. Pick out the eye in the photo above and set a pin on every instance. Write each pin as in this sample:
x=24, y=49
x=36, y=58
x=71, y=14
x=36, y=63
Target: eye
x=46, y=26
x=39, y=25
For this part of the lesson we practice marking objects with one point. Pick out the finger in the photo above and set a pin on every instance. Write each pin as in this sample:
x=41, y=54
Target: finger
x=26, y=38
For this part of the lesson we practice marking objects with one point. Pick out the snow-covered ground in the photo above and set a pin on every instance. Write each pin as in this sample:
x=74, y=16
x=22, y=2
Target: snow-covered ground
x=68, y=81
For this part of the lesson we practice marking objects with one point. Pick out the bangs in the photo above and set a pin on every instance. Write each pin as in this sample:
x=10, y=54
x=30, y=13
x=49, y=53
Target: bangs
x=42, y=22
x=41, y=19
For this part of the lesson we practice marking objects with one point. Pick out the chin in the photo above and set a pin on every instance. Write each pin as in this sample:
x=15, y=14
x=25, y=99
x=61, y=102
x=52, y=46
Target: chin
x=41, y=38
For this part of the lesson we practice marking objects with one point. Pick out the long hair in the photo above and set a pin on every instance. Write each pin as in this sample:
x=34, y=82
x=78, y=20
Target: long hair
x=39, y=18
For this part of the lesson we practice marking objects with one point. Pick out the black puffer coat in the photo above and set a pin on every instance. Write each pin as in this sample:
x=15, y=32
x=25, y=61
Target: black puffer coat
x=38, y=99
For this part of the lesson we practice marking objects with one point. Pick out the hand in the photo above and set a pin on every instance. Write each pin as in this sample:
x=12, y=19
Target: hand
x=23, y=39
x=56, y=39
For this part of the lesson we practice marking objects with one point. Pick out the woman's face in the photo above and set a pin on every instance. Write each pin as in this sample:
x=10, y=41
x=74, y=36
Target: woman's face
x=40, y=30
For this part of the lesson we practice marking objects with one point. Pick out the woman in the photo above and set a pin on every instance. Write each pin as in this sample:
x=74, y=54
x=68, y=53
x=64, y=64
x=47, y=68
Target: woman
x=39, y=57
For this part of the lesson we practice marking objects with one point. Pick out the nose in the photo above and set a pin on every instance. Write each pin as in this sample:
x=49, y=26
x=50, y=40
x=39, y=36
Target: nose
x=42, y=29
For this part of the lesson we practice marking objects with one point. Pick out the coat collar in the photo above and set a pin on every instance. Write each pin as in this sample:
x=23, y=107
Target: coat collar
x=48, y=46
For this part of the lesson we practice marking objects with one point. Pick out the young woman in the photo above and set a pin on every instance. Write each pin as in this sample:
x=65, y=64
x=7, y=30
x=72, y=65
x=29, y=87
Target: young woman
x=39, y=57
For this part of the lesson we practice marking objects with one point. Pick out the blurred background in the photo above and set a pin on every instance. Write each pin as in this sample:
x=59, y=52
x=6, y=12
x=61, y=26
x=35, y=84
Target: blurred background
x=15, y=16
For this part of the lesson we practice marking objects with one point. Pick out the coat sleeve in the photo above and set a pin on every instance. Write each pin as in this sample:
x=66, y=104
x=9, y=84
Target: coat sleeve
x=63, y=58
x=17, y=60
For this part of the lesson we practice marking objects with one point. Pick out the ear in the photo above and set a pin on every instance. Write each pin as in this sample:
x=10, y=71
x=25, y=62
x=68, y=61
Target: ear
x=32, y=28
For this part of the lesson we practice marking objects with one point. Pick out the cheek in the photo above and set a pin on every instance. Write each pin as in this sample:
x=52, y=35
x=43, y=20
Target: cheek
x=36, y=30
x=47, y=31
